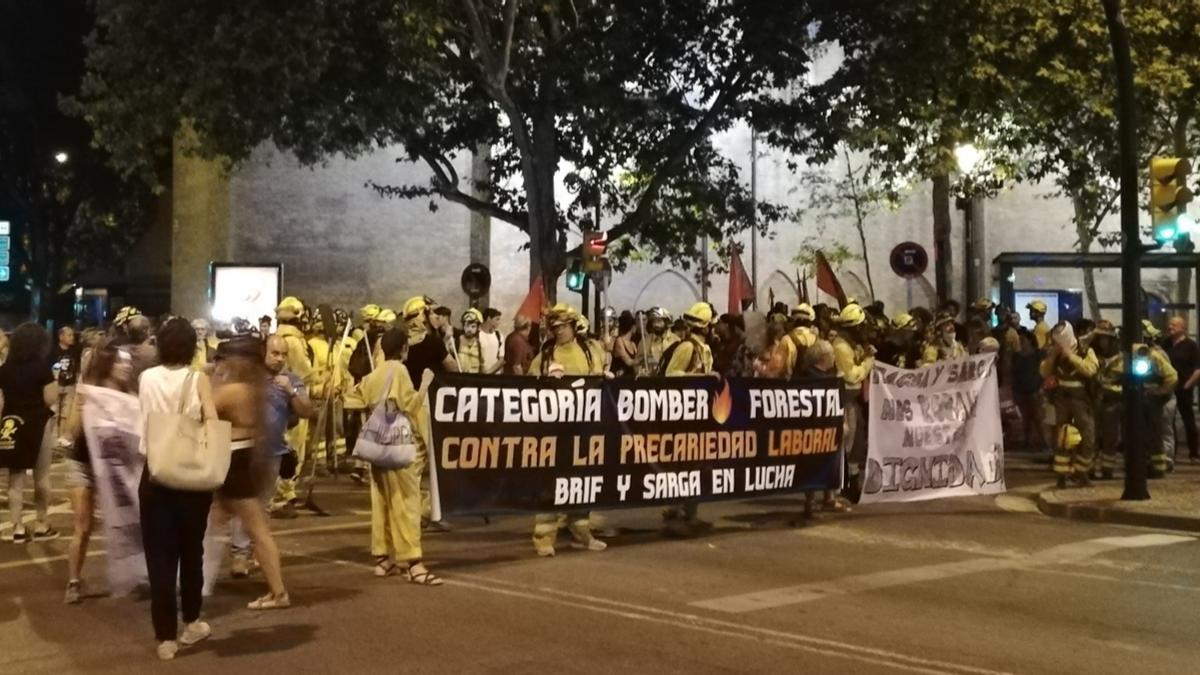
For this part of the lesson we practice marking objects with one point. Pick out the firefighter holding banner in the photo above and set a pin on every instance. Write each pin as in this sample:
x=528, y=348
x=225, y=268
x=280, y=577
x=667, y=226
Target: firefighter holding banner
x=688, y=357
x=565, y=354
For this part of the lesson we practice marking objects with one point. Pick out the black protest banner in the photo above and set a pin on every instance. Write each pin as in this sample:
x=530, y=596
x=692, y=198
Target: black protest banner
x=544, y=444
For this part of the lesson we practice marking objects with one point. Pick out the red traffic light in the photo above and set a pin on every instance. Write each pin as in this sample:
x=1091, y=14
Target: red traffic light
x=595, y=246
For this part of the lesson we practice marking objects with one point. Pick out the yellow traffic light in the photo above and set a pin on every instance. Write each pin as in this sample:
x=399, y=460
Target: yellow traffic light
x=595, y=247
x=1169, y=193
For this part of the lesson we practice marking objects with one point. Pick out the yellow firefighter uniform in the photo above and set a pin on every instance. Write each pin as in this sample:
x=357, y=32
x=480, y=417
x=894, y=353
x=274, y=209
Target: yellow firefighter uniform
x=1071, y=372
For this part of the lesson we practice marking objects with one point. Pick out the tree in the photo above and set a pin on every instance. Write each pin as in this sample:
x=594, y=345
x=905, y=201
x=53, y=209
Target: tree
x=619, y=99
x=80, y=216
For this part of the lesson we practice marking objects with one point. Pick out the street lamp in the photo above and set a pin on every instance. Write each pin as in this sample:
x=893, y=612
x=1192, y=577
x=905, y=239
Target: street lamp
x=967, y=157
x=61, y=157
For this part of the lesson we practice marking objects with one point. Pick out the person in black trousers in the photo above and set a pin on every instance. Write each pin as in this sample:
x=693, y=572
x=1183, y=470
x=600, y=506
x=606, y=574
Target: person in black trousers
x=1185, y=358
x=174, y=521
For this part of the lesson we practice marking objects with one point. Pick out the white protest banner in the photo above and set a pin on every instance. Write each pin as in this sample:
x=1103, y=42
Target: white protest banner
x=110, y=424
x=934, y=432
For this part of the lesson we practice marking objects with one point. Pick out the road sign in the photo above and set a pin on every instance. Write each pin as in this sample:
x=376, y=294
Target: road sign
x=909, y=260
x=5, y=227
x=4, y=256
x=5, y=243
x=4, y=273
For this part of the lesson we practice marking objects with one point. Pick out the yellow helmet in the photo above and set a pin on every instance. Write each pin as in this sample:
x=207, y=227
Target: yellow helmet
x=852, y=315
x=125, y=314
x=1149, y=330
x=472, y=315
x=582, y=324
x=1037, y=306
x=369, y=312
x=983, y=304
x=1069, y=437
x=560, y=314
x=700, y=315
x=289, y=308
x=904, y=320
x=1105, y=327
x=386, y=316
x=804, y=311
x=417, y=306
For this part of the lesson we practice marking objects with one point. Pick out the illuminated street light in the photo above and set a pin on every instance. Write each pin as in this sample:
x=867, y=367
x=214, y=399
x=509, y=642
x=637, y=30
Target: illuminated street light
x=967, y=156
x=61, y=157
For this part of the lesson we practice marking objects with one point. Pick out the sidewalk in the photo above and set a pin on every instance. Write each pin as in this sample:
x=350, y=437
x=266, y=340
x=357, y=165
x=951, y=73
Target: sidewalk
x=1174, y=502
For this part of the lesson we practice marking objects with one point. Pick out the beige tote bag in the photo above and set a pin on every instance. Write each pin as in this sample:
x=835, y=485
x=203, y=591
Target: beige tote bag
x=186, y=454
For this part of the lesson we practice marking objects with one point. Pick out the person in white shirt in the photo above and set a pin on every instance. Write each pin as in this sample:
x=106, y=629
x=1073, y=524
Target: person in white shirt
x=491, y=342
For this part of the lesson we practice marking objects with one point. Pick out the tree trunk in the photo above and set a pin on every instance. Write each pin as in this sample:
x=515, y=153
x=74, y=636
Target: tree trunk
x=1083, y=231
x=1183, y=288
x=546, y=259
x=942, y=252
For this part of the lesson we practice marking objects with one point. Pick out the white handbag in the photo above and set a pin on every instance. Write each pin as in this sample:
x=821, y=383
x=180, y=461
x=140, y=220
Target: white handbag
x=184, y=453
x=387, y=440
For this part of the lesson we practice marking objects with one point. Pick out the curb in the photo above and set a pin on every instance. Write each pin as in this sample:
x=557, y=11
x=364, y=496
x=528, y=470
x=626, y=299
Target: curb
x=1097, y=512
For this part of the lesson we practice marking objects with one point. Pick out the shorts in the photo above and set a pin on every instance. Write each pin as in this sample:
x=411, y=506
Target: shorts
x=240, y=482
x=80, y=474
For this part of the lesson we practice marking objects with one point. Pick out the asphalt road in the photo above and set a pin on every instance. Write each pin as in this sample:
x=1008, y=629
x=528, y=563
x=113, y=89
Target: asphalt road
x=976, y=585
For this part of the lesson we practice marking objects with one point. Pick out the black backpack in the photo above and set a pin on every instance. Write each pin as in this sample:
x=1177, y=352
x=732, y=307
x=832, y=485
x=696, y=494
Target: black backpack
x=670, y=352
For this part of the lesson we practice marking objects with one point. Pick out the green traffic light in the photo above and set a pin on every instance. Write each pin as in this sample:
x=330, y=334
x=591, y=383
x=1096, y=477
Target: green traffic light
x=575, y=280
x=1165, y=232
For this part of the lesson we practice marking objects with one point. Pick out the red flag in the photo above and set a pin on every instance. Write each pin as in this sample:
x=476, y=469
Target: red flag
x=741, y=292
x=534, y=302
x=827, y=280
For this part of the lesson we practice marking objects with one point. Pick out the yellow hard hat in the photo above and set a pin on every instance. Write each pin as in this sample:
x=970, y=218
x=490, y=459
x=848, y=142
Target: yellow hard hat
x=386, y=316
x=1037, y=306
x=700, y=315
x=1149, y=330
x=983, y=304
x=852, y=315
x=582, y=324
x=289, y=308
x=369, y=312
x=125, y=314
x=1069, y=437
x=1105, y=327
x=804, y=311
x=414, y=307
x=560, y=314
x=904, y=320
x=472, y=315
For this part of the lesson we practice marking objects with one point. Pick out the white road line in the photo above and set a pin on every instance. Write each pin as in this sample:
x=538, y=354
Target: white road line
x=1057, y=555
x=798, y=641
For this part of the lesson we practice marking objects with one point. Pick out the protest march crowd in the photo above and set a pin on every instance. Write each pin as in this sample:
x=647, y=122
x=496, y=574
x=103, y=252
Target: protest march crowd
x=128, y=407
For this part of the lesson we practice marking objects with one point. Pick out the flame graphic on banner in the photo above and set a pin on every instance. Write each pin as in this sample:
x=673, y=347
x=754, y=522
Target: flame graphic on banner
x=722, y=405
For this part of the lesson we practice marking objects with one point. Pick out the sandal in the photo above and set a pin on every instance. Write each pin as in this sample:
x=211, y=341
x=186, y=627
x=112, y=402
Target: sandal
x=425, y=578
x=271, y=601
x=385, y=567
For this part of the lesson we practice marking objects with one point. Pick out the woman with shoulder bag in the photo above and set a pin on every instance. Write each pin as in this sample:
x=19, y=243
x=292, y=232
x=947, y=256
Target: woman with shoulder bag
x=396, y=493
x=174, y=520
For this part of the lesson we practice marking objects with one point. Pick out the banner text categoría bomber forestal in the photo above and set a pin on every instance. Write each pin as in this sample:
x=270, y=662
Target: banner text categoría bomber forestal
x=541, y=444
x=934, y=432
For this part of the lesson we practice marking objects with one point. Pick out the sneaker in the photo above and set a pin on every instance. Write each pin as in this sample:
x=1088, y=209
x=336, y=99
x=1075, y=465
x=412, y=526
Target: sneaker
x=46, y=534
x=74, y=592
x=592, y=544
x=195, y=632
x=20, y=536
x=545, y=551
x=435, y=526
x=167, y=649
x=239, y=567
x=271, y=601
x=285, y=512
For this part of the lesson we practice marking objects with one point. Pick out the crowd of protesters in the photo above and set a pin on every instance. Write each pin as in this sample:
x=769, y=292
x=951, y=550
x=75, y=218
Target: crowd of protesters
x=297, y=388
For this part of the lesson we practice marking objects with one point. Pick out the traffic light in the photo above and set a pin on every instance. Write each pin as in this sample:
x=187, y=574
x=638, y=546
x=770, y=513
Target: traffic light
x=1141, y=362
x=1169, y=196
x=595, y=246
x=575, y=278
